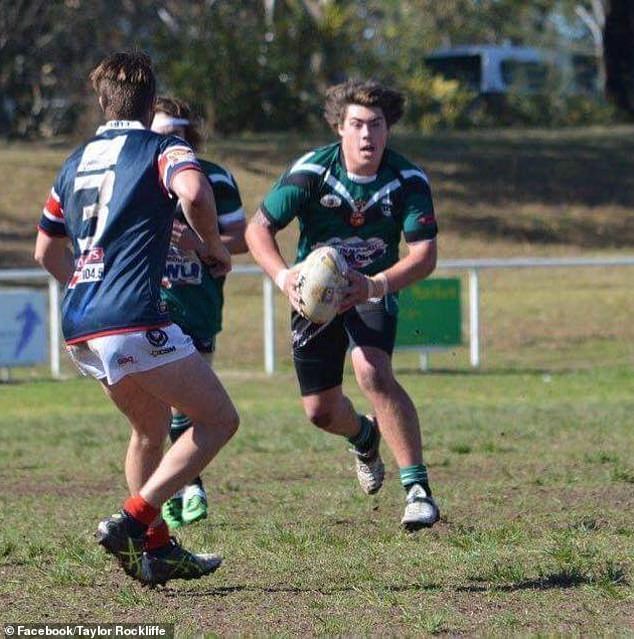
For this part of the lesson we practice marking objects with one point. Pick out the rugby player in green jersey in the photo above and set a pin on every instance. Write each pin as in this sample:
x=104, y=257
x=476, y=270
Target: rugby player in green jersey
x=194, y=298
x=360, y=197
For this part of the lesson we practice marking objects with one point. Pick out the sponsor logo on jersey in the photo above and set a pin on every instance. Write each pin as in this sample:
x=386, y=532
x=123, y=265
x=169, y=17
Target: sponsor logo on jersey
x=163, y=351
x=182, y=268
x=178, y=154
x=157, y=337
x=89, y=267
x=386, y=207
x=122, y=360
x=358, y=252
x=330, y=201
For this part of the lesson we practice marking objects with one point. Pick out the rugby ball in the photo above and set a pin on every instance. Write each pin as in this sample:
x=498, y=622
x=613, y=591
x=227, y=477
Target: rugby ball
x=320, y=282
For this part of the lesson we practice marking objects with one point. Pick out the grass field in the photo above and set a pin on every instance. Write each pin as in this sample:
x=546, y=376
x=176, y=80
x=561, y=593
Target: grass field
x=530, y=457
x=533, y=473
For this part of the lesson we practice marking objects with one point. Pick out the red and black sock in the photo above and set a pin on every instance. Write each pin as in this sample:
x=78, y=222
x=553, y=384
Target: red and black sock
x=141, y=513
x=157, y=536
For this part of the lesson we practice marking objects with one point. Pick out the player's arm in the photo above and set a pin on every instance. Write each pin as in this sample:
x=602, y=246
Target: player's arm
x=418, y=264
x=232, y=219
x=199, y=208
x=232, y=236
x=51, y=245
x=52, y=253
x=260, y=238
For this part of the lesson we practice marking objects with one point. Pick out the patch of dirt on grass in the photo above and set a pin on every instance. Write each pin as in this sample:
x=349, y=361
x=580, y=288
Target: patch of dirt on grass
x=53, y=486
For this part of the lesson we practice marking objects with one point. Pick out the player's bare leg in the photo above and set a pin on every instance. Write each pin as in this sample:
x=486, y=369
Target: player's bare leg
x=399, y=425
x=149, y=419
x=333, y=412
x=189, y=385
x=193, y=388
x=188, y=505
x=394, y=410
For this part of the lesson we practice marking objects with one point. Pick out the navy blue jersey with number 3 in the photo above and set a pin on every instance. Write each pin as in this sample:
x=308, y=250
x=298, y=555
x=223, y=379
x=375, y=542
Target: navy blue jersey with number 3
x=113, y=199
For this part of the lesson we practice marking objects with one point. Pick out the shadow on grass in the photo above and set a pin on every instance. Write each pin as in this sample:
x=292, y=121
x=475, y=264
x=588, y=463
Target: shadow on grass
x=552, y=581
x=223, y=591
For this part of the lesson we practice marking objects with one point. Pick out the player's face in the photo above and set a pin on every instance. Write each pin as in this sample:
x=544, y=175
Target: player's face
x=363, y=138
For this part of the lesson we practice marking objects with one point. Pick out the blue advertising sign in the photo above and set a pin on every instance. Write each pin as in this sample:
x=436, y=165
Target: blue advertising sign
x=23, y=327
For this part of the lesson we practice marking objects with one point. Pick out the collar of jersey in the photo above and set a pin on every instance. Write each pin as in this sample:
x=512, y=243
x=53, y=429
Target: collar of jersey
x=120, y=124
x=361, y=179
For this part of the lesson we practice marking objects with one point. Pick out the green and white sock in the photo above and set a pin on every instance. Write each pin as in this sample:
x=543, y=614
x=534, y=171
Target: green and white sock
x=180, y=423
x=416, y=474
x=366, y=437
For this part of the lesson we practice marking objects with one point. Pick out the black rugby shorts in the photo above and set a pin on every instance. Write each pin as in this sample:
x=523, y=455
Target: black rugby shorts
x=319, y=362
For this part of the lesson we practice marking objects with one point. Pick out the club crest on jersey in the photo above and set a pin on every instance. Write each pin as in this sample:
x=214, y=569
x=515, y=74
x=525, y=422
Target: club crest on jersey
x=156, y=337
x=330, y=201
x=357, y=217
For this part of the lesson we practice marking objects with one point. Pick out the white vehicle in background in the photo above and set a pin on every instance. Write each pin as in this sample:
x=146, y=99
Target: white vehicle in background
x=499, y=69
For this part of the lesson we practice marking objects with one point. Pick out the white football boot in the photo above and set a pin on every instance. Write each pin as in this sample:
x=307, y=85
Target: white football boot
x=421, y=510
x=370, y=467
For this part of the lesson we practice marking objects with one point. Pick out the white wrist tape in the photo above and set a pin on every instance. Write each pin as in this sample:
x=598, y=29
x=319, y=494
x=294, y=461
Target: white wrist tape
x=280, y=278
x=378, y=287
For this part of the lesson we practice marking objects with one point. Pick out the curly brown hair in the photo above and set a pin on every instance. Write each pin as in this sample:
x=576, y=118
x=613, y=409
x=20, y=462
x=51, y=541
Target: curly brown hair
x=366, y=93
x=125, y=85
x=180, y=109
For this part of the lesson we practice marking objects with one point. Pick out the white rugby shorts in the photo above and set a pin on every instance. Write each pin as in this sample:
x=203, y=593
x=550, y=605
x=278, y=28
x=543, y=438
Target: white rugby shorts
x=112, y=357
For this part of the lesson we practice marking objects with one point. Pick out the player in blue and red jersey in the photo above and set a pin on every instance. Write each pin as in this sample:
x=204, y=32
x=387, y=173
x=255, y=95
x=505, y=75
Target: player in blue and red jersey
x=114, y=199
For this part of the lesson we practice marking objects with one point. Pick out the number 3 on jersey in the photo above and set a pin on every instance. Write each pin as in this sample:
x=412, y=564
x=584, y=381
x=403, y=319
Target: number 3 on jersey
x=96, y=190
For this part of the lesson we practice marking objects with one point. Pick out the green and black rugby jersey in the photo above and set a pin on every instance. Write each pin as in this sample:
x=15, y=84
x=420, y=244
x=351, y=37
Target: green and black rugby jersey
x=362, y=217
x=194, y=298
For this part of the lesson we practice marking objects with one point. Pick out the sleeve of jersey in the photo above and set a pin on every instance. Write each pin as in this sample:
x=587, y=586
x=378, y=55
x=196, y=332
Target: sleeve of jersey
x=175, y=156
x=284, y=201
x=228, y=201
x=52, y=220
x=419, y=219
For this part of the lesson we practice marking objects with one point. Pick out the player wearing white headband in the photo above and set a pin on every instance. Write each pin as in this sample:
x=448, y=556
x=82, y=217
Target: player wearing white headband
x=166, y=124
x=194, y=298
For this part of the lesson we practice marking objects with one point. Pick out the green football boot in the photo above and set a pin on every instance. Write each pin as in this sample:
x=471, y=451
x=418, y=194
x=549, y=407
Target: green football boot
x=172, y=512
x=194, y=504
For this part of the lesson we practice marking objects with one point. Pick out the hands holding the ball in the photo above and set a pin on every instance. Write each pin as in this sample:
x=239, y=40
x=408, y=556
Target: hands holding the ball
x=362, y=288
x=286, y=281
x=323, y=285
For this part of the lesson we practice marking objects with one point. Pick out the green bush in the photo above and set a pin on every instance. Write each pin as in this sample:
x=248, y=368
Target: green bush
x=436, y=103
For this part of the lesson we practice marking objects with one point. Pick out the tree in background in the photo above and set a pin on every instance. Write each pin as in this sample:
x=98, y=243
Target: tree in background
x=265, y=65
x=47, y=48
x=619, y=54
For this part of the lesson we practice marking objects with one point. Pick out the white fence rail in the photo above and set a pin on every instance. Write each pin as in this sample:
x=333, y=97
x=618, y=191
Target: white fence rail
x=472, y=267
